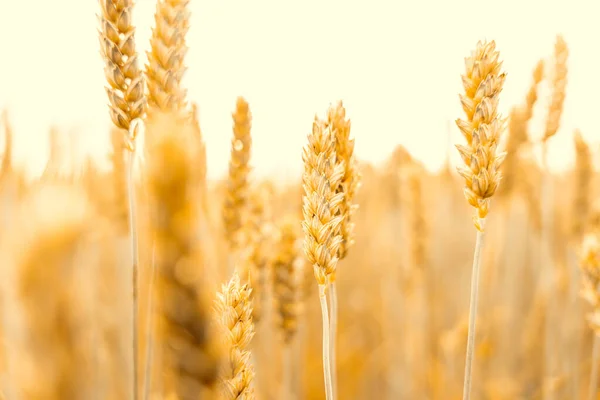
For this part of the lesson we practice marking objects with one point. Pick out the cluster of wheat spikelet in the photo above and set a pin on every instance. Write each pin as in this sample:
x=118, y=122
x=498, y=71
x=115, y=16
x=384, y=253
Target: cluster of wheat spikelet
x=150, y=282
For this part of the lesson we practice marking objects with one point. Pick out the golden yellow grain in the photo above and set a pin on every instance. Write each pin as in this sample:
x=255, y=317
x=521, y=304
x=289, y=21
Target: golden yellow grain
x=234, y=311
x=125, y=80
x=166, y=60
x=482, y=83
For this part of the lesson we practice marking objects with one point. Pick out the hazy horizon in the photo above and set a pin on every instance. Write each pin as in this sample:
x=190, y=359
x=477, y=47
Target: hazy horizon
x=396, y=65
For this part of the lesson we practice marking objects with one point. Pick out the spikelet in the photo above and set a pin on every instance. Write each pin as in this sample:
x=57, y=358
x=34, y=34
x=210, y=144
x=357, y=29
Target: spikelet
x=234, y=311
x=561, y=54
x=344, y=149
x=589, y=263
x=236, y=196
x=482, y=129
x=321, y=204
x=190, y=360
x=583, y=181
x=45, y=254
x=166, y=67
x=125, y=80
x=532, y=94
x=286, y=285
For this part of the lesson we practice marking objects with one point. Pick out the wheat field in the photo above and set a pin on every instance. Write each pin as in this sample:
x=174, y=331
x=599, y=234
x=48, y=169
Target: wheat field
x=151, y=280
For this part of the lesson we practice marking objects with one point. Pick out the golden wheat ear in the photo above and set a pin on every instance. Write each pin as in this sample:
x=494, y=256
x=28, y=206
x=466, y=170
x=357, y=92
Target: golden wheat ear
x=166, y=60
x=233, y=309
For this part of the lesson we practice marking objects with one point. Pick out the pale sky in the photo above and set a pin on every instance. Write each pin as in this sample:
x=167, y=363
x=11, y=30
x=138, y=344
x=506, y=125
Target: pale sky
x=396, y=64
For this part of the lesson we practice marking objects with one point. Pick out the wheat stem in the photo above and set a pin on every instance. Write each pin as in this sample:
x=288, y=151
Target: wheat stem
x=134, y=265
x=150, y=328
x=473, y=311
x=593, y=391
x=333, y=304
x=287, y=372
x=326, y=349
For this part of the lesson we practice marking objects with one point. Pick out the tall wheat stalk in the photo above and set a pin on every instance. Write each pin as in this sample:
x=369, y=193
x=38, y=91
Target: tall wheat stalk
x=127, y=102
x=321, y=204
x=482, y=128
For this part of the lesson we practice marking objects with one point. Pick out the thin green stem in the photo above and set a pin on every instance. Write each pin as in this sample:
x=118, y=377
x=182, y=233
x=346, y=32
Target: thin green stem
x=326, y=336
x=473, y=311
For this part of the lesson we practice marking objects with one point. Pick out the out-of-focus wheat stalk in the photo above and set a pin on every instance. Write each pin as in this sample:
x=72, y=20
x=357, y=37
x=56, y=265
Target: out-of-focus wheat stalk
x=45, y=255
x=286, y=287
x=234, y=312
x=125, y=92
x=322, y=176
x=166, y=66
x=482, y=83
x=236, y=196
x=555, y=110
x=189, y=358
x=589, y=263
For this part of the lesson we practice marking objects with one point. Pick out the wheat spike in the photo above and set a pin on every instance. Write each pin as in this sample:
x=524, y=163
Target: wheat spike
x=559, y=83
x=189, y=359
x=286, y=279
x=482, y=83
x=322, y=175
x=166, y=66
x=344, y=149
x=234, y=311
x=236, y=196
x=125, y=80
x=583, y=180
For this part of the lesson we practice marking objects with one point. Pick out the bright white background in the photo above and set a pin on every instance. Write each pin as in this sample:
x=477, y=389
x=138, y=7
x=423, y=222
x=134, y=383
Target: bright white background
x=396, y=64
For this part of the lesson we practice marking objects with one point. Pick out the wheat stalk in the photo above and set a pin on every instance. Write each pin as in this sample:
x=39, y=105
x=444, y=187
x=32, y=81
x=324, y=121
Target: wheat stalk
x=344, y=150
x=322, y=176
x=190, y=360
x=234, y=312
x=482, y=128
x=166, y=66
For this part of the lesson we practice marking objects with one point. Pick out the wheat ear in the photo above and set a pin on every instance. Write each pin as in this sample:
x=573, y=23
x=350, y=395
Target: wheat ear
x=166, y=67
x=583, y=179
x=236, y=196
x=322, y=175
x=482, y=128
x=183, y=315
x=234, y=311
